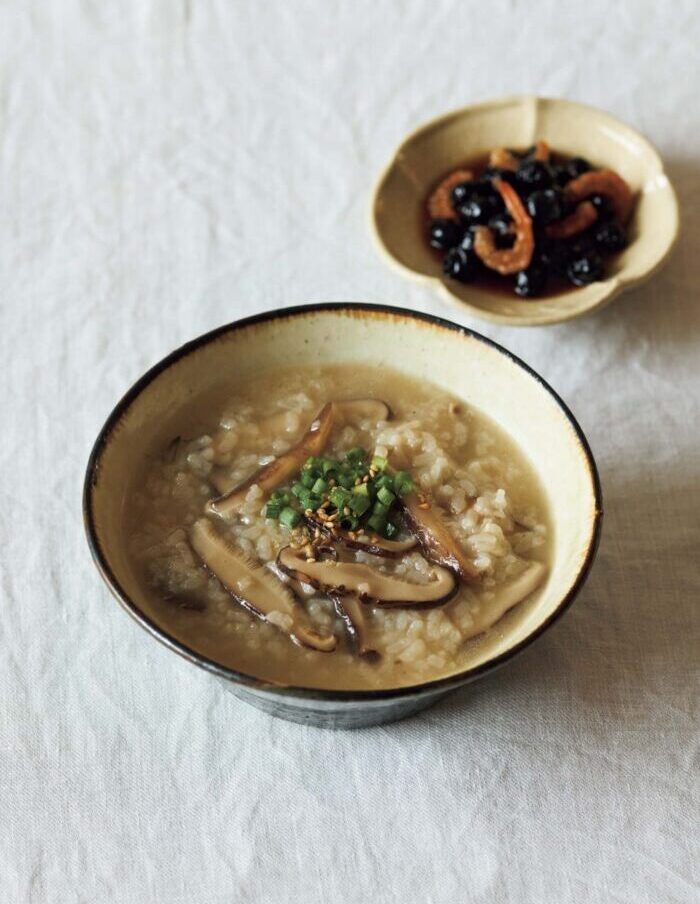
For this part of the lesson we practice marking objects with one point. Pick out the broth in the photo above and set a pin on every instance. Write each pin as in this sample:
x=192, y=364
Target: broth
x=487, y=494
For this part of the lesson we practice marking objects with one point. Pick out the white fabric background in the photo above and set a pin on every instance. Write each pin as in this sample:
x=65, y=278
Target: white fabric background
x=166, y=167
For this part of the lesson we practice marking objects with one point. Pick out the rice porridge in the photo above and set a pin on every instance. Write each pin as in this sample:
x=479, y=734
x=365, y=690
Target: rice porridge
x=340, y=527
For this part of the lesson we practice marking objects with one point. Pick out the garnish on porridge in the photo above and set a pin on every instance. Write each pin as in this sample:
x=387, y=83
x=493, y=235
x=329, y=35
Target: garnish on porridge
x=534, y=216
x=341, y=542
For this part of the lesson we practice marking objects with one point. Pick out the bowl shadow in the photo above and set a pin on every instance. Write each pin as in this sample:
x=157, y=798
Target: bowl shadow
x=632, y=632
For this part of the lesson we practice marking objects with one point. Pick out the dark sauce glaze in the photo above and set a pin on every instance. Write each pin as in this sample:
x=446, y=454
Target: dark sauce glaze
x=489, y=280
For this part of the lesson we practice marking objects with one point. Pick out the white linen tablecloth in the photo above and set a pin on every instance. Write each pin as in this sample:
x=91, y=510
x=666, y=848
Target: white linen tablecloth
x=166, y=167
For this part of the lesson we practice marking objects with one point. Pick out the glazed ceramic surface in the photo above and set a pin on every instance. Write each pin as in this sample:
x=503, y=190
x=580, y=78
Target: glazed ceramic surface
x=570, y=128
x=169, y=399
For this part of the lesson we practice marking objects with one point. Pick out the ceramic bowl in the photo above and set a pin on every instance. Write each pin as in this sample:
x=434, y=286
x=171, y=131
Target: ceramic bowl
x=571, y=128
x=167, y=401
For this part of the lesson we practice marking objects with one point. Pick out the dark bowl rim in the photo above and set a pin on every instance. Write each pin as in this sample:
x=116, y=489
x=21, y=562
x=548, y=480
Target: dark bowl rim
x=434, y=686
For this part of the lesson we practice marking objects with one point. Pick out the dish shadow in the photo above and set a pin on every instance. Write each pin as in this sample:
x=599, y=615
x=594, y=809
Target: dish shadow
x=666, y=309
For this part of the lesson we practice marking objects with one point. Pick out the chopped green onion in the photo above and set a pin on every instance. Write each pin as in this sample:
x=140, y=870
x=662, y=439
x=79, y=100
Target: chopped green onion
x=360, y=500
x=402, y=483
x=289, y=517
x=313, y=465
x=376, y=523
x=356, y=455
x=328, y=465
x=339, y=497
x=310, y=501
x=273, y=509
x=359, y=504
x=385, y=496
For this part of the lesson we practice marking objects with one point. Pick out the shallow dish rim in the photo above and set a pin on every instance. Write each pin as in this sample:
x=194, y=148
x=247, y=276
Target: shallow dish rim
x=433, y=686
x=615, y=285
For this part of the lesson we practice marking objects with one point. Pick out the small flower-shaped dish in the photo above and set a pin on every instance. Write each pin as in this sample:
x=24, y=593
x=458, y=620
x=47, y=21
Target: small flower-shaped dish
x=569, y=128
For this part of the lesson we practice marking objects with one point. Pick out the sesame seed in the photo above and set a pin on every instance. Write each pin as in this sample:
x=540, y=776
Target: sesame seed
x=346, y=510
x=423, y=505
x=311, y=558
x=358, y=481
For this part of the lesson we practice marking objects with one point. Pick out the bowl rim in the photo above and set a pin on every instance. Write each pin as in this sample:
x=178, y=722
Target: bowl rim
x=433, y=686
x=616, y=284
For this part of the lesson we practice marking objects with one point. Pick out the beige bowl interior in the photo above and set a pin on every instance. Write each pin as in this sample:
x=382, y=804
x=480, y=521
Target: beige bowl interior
x=573, y=129
x=172, y=403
